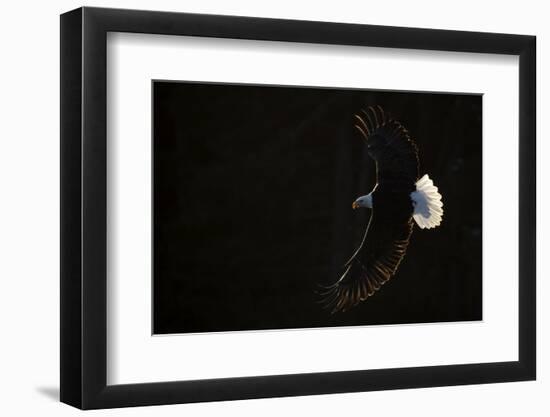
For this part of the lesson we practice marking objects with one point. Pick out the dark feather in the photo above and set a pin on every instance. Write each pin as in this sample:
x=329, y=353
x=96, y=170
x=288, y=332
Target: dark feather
x=390, y=145
x=387, y=236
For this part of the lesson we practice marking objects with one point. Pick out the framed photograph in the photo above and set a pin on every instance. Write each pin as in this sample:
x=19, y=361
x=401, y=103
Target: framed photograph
x=256, y=208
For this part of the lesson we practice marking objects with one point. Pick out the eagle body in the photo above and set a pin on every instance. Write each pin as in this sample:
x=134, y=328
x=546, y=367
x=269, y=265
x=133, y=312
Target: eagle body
x=394, y=206
x=399, y=200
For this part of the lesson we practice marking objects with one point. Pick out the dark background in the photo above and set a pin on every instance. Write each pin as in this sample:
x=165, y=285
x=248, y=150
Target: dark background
x=253, y=188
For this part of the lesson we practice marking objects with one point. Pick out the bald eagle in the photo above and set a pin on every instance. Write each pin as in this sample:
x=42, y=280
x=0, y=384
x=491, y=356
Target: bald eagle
x=398, y=200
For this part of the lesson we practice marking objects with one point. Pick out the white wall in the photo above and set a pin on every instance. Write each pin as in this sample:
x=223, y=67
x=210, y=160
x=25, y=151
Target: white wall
x=29, y=173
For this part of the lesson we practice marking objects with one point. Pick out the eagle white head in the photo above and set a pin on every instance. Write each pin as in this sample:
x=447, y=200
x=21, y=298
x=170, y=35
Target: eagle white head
x=363, y=202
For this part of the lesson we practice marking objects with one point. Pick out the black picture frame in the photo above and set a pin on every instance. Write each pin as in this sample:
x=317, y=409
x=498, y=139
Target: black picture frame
x=84, y=190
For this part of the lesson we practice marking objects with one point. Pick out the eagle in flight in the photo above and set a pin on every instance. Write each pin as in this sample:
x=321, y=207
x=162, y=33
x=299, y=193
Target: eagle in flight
x=398, y=200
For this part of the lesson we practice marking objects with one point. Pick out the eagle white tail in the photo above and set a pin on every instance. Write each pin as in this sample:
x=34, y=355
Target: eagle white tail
x=428, y=207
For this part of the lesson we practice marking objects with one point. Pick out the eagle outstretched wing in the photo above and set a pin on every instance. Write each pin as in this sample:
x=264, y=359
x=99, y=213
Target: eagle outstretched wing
x=387, y=236
x=391, y=147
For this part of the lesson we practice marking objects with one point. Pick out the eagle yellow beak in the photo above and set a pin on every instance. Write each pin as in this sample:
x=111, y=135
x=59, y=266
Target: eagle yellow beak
x=355, y=205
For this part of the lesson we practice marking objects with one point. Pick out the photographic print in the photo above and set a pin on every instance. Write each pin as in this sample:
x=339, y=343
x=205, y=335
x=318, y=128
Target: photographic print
x=284, y=207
